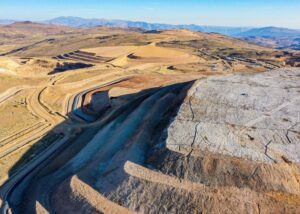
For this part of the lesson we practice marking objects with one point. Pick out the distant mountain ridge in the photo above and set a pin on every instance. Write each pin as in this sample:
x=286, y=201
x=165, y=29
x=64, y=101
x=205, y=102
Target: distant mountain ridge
x=79, y=22
x=270, y=32
x=6, y=21
x=275, y=37
x=82, y=22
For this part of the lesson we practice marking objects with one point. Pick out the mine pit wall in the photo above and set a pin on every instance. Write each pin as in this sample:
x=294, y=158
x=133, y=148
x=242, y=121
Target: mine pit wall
x=165, y=179
x=169, y=104
x=173, y=99
x=276, y=183
x=215, y=183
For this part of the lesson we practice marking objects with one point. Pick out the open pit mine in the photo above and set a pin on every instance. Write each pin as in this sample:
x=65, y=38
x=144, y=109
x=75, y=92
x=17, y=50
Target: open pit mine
x=109, y=120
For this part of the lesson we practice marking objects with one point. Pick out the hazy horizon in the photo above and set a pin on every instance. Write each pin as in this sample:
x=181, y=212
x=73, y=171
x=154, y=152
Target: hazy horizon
x=236, y=26
x=230, y=13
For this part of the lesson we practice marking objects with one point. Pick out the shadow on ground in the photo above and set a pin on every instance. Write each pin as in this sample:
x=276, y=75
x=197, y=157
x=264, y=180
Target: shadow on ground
x=41, y=182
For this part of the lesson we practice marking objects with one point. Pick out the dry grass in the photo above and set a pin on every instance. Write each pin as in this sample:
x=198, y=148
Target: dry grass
x=79, y=75
x=114, y=51
x=156, y=60
x=15, y=116
x=7, y=162
x=9, y=81
x=285, y=197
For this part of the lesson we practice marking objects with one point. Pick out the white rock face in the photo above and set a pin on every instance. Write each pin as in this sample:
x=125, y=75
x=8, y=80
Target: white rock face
x=253, y=116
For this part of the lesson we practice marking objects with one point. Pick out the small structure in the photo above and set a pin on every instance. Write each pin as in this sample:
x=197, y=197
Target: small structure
x=100, y=101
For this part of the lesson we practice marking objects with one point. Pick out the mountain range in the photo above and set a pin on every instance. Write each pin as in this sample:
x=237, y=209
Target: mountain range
x=268, y=36
x=274, y=37
x=6, y=21
x=270, y=32
x=82, y=22
x=79, y=22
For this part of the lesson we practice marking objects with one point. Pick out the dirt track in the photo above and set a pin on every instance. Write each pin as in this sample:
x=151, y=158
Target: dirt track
x=104, y=156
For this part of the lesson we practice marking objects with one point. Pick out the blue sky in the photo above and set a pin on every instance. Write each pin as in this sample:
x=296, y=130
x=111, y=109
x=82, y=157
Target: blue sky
x=285, y=13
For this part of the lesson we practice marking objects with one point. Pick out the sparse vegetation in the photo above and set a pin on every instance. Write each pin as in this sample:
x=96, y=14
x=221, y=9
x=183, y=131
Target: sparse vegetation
x=105, y=114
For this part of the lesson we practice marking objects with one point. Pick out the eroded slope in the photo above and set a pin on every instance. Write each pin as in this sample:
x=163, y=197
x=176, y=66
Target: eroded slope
x=232, y=147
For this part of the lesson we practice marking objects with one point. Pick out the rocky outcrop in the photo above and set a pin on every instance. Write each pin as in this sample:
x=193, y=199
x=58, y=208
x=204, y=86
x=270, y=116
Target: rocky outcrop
x=228, y=144
x=254, y=117
x=241, y=132
x=233, y=147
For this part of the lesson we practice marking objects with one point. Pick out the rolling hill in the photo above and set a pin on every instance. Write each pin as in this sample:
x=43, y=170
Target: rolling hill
x=270, y=32
x=82, y=22
x=113, y=119
x=280, y=38
x=275, y=37
x=78, y=22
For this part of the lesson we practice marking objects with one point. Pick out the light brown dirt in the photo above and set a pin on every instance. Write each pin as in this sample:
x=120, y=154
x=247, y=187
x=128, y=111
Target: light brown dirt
x=161, y=180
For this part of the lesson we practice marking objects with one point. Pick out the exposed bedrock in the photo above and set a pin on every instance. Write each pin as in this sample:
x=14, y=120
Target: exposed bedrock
x=228, y=144
x=254, y=117
x=232, y=148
